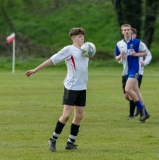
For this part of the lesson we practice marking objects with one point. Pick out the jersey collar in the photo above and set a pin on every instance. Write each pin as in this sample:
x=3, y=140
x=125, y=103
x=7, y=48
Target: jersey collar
x=132, y=39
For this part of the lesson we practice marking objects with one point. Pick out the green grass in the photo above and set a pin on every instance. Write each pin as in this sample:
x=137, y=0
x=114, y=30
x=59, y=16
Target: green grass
x=30, y=107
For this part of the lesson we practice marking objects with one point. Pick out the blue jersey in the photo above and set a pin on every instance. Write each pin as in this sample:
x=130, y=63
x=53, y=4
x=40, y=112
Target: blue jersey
x=131, y=63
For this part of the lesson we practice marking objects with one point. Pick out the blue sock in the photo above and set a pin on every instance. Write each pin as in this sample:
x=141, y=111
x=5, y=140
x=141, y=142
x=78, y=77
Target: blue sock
x=139, y=105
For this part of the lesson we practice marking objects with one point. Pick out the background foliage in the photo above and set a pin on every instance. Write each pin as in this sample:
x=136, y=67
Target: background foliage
x=42, y=26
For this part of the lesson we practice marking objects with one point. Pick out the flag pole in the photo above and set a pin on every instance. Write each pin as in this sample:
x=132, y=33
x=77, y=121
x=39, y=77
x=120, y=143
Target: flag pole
x=13, y=57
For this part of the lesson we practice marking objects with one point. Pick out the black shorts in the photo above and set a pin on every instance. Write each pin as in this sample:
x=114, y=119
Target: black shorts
x=124, y=79
x=74, y=98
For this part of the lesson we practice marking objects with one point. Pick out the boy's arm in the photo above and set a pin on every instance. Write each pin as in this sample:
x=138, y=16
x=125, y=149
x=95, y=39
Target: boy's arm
x=147, y=58
x=121, y=55
x=142, y=51
x=140, y=54
x=41, y=66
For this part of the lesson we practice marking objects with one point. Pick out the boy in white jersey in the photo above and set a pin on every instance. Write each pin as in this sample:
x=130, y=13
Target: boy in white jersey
x=129, y=50
x=75, y=85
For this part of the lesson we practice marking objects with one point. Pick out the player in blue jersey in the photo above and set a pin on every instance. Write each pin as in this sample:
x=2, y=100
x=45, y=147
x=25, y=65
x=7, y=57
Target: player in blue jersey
x=129, y=50
x=144, y=61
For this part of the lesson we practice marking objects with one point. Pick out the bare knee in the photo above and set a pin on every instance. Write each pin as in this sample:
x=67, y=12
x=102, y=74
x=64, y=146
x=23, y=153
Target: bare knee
x=78, y=117
x=65, y=118
x=126, y=90
x=126, y=96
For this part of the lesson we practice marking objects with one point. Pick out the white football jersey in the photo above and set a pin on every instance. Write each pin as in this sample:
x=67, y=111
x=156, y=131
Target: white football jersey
x=77, y=67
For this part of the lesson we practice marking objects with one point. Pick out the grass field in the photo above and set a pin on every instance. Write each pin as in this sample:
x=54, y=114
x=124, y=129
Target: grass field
x=30, y=107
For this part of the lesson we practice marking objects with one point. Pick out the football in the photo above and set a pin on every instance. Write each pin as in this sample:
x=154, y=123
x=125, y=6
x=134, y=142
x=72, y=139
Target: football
x=88, y=49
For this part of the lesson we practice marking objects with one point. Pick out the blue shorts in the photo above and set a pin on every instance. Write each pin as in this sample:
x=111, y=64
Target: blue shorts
x=134, y=75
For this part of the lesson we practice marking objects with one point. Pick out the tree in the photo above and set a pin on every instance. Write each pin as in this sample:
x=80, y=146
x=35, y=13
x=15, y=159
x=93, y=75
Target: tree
x=131, y=12
x=150, y=19
x=4, y=4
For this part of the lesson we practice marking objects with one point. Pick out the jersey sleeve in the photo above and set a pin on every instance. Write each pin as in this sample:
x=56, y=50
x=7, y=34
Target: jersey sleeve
x=116, y=51
x=148, y=57
x=62, y=55
x=142, y=47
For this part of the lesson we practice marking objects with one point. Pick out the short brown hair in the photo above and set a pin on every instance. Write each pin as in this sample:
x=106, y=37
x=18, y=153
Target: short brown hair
x=134, y=30
x=125, y=25
x=76, y=31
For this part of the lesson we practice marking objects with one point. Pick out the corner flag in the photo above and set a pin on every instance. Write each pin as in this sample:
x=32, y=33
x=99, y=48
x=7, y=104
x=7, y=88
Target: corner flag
x=10, y=39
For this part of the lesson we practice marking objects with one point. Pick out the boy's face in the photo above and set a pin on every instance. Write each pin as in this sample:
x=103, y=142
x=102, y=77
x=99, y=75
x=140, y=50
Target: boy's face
x=78, y=39
x=133, y=34
x=126, y=31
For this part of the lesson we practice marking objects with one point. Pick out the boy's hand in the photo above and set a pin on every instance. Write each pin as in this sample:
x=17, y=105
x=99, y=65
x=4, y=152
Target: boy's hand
x=28, y=73
x=123, y=54
x=142, y=64
x=133, y=53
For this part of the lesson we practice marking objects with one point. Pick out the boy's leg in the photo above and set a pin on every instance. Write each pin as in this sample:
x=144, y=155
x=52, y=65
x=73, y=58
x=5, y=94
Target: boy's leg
x=58, y=130
x=129, y=88
x=132, y=85
x=132, y=108
x=126, y=96
x=136, y=112
x=136, y=89
x=139, y=84
x=78, y=114
x=59, y=126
